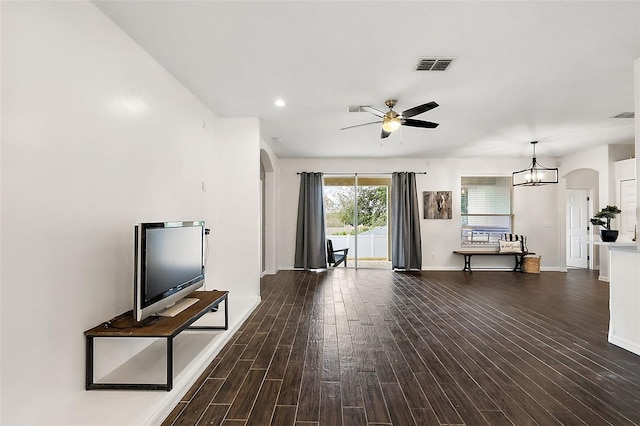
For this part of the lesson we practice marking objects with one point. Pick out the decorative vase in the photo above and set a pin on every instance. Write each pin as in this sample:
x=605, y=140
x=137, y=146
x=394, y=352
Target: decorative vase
x=608, y=235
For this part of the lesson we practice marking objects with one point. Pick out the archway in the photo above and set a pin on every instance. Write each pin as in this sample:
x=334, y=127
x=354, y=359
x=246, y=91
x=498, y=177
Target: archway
x=267, y=208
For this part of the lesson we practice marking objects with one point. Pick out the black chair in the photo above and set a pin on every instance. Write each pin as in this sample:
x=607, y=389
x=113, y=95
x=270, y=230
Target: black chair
x=336, y=257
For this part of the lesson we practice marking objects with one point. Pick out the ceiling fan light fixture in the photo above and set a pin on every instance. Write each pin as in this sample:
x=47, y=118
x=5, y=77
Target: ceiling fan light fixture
x=390, y=124
x=392, y=120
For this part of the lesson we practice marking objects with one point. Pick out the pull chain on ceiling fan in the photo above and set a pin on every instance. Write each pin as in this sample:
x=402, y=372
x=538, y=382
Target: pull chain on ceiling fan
x=391, y=120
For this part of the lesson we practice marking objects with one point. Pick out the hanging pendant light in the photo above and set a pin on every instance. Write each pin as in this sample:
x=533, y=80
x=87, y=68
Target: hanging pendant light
x=534, y=174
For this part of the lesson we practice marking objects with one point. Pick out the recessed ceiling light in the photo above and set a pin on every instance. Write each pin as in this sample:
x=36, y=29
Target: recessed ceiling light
x=279, y=103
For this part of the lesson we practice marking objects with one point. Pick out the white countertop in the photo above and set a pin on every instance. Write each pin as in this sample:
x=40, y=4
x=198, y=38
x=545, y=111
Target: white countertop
x=633, y=247
x=618, y=245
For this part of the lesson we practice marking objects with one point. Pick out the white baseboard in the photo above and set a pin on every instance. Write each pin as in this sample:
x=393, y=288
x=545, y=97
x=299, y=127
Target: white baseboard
x=509, y=269
x=624, y=344
x=456, y=268
x=191, y=374
x=442, y=268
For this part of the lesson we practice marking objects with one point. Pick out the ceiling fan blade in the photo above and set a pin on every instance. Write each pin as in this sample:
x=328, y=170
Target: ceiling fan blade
x=373, y=111
x=419, y=109
x=419, y=123
x=384, y=134
x=363, y=124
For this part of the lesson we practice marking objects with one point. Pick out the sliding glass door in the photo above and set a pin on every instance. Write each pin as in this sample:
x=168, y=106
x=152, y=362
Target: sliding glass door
x=357, y=215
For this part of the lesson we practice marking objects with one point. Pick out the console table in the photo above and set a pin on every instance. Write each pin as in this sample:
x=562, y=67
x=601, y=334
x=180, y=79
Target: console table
x=468, y=253
x=161, y=327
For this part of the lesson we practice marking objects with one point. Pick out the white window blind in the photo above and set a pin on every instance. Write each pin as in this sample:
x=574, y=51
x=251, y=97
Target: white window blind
x=486, y=209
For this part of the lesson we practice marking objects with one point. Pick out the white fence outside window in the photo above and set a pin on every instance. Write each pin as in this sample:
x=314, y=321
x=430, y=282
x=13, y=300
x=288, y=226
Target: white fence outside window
x=370, y=246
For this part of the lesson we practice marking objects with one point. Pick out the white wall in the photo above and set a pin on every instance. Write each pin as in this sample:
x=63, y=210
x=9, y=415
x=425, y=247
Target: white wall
x=535, y=207
x=637, y=122
x=583, y=179
x=1, y=316
x=235, y=207
x=601, y=159
x=595, y=159
x=624, y=323
x=96, y=136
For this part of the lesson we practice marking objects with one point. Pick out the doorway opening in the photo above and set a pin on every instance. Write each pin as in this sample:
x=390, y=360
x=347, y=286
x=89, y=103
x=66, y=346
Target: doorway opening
x=579, y=207
x=357, y=218
x=581, y=197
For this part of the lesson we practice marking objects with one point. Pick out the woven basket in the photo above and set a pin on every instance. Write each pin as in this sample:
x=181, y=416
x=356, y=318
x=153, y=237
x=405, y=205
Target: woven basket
x=531, y=264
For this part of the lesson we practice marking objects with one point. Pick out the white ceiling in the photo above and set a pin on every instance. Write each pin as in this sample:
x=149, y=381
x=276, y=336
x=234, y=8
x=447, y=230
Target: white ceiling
x=524, y=70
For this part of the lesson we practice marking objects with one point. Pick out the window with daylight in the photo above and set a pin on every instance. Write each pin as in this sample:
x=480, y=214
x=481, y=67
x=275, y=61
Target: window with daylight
x=486, y=209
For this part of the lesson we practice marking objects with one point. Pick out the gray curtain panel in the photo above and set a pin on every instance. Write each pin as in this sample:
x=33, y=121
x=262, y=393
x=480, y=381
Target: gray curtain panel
x=406, y=244
x=310, y=235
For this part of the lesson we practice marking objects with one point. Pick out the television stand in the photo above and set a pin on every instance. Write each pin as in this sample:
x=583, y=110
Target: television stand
x=167, y=328
x=177, y=307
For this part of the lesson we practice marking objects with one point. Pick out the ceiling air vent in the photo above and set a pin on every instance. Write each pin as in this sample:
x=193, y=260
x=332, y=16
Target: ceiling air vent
x=625, y=115
x=434, y=64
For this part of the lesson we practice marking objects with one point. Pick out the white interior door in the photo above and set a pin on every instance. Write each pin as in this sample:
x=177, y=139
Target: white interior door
x=577, y=228
x=628, y=207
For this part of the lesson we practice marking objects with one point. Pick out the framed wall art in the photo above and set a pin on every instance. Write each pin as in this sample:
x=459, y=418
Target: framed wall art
x=437, y=204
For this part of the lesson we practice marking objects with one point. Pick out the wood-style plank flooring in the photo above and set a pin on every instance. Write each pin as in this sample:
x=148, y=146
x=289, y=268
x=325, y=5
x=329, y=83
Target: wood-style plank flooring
x=374, y=347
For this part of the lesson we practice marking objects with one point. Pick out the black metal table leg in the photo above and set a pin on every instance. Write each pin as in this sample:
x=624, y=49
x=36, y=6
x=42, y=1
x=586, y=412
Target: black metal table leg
x=225, y=299
x=518, y=267
x=169, y=363
x=467, y=263
x=226, y=313
x=89, y=363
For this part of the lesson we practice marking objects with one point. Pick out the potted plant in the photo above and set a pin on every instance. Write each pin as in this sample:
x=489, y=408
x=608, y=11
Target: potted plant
x=603, y=218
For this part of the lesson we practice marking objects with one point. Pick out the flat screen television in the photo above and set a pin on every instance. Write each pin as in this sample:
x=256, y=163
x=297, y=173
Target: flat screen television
x=169, y=265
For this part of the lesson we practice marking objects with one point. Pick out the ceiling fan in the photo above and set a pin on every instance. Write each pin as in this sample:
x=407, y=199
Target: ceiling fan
x=391, y=120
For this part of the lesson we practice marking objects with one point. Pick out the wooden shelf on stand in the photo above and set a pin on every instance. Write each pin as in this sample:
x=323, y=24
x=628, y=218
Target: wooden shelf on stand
x=125, y=326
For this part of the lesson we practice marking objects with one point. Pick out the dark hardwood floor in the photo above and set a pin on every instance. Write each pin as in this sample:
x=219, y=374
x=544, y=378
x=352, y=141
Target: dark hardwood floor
x=374, y=347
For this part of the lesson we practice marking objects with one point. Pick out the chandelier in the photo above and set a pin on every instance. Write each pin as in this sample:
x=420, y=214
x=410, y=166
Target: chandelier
x=534, y=174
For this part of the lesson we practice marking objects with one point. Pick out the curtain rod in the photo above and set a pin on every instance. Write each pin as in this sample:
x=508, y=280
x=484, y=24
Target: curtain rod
x=364, y=173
